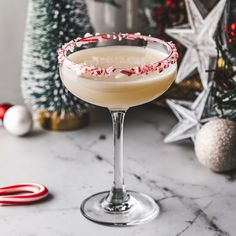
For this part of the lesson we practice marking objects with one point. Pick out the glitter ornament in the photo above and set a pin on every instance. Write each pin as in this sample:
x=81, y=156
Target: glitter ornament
x=215, y=145
x=18, y=120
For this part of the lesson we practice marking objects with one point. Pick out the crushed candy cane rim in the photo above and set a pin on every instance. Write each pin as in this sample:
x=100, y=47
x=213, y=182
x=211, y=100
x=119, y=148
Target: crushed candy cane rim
x=21, y=194
x=82, y=68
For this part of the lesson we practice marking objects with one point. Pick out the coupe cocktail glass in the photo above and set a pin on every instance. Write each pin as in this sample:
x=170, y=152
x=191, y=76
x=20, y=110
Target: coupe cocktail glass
x=118, y=71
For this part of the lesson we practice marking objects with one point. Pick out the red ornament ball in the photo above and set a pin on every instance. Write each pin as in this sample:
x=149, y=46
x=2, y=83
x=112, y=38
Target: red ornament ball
x=3, y=108
x=233, y=26
x=170, y=3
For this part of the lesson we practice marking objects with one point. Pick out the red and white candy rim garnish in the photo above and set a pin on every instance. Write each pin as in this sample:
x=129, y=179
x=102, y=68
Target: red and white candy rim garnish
x=21, y=194
x=158, y=66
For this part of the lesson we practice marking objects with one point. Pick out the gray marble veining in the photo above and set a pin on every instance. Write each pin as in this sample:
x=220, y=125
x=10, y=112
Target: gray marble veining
x=73, y=165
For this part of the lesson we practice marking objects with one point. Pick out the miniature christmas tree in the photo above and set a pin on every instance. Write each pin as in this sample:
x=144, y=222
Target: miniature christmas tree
x=50, y=24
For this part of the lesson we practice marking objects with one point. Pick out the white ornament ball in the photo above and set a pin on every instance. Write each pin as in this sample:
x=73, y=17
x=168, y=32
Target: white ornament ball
x=215, y=145
x=18, y=120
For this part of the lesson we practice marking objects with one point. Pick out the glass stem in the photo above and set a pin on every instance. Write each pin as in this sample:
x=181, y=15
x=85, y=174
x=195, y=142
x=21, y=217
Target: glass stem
x=118, y=194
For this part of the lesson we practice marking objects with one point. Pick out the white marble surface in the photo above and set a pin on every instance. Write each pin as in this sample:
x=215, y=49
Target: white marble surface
x=73, y=165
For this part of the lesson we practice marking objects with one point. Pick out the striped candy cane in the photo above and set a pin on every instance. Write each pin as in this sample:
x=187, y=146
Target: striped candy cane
x=21, y=194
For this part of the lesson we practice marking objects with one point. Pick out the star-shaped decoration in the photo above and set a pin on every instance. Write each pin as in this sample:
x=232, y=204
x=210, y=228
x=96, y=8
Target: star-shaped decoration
x=191, y=116
x=198, y=39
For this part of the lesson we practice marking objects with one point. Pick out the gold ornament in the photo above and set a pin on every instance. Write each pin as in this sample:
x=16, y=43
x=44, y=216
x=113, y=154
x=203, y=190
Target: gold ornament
x=185, y=90
x=52, y=121
x=221, y=63
x=215, y=145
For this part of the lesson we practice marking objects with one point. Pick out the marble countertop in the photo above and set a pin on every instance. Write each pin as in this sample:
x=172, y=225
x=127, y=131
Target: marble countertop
x=74, y=165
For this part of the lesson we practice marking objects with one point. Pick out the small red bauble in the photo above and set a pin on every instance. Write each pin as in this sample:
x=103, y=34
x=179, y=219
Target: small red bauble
x=233, y=26
x=3, y=108
x=170, y=3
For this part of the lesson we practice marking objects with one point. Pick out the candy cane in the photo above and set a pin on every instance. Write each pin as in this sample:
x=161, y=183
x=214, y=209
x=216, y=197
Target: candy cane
x=101, y=72
x=29, y=193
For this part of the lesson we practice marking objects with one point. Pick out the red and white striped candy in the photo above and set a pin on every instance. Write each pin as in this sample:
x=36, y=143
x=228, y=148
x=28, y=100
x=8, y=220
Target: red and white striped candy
x=158, y=66
x=21, y=194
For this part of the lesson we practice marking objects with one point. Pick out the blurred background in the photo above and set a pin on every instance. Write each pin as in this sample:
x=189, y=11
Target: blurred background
x=12, y=25
x=159, y=18
x=104, y=17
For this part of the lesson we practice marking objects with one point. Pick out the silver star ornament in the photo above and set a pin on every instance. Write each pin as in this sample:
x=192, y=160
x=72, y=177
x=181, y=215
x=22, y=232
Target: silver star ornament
x=198, y=38
x=191, y=116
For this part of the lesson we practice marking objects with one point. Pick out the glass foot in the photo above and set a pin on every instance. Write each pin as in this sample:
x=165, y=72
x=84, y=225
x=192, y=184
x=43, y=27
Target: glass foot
x=139, y=208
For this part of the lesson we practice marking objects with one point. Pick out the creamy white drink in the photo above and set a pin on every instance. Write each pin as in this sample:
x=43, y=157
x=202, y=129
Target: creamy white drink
x=119, y=91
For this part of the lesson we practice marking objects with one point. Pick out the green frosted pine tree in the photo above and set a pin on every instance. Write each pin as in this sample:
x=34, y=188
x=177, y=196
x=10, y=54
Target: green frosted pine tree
x=51, y=23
